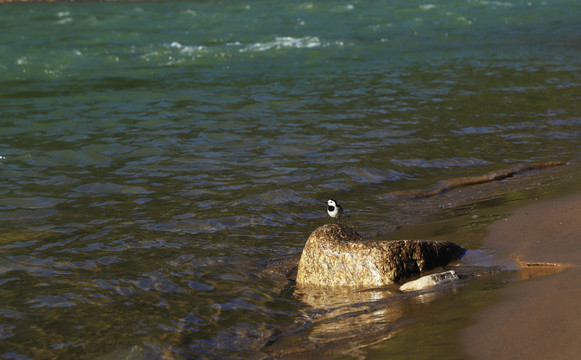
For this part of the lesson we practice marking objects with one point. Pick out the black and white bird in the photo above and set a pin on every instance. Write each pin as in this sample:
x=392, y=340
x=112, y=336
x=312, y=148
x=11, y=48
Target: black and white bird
x=335, y=210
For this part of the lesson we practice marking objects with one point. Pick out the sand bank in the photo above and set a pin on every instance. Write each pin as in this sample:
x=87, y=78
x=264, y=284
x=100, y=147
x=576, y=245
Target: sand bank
x=540, y=318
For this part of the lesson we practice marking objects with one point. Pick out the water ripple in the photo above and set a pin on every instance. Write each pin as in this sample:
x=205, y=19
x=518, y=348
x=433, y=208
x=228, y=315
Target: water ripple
x=156, y=281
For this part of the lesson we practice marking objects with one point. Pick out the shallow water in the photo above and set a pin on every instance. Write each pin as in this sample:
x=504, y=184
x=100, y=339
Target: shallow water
x=156, y=156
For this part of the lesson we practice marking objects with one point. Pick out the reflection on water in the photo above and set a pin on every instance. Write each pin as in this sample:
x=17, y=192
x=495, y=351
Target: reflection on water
x=336, y=317
x=347, y=321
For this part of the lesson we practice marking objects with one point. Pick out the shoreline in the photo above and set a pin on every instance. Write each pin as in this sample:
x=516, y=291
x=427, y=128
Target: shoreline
x=540, y=318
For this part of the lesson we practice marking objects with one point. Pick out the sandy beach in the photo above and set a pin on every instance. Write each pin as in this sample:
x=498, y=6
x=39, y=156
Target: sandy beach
x=539, y=318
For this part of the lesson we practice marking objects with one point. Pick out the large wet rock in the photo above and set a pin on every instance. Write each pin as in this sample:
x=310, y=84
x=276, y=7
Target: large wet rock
x=335, y=255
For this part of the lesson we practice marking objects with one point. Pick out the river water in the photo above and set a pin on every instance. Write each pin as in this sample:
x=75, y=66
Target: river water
x=157, y=157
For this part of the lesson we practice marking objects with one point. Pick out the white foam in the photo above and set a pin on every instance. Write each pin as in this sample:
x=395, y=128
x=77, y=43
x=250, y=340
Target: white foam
x=186, y=49
x=285, y=42
x=427, y=6
x=64, y=17
x=497, y=3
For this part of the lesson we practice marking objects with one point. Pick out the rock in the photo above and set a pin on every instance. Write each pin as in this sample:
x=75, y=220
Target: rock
x=282, y=268
x=335, y=255
x=429, y=281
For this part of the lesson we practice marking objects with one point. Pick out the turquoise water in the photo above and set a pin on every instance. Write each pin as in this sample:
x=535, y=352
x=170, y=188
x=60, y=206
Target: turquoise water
x=155, y=156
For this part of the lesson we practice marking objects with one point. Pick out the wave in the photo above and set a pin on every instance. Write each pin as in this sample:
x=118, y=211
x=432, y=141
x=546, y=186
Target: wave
x=440, y=163
x=284, y=42
x=451, y=184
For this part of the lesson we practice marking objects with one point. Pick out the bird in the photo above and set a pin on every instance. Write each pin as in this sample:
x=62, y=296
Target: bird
x=335, y=210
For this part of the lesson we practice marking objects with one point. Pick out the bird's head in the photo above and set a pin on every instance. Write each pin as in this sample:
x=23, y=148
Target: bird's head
x=331, y=202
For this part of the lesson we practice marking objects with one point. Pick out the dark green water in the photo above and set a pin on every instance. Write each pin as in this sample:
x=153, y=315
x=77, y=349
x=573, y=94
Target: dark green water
x=156, y=155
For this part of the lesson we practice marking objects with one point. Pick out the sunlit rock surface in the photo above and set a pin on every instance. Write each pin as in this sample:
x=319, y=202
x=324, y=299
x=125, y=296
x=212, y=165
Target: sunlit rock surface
x=428, y=281
x=335, y=255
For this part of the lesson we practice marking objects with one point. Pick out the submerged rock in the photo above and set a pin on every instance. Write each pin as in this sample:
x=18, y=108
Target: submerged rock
x=429, y=281
x=335, y=255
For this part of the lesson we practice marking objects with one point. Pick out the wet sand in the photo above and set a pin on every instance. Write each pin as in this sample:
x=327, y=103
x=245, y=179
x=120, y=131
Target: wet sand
x=540, y=318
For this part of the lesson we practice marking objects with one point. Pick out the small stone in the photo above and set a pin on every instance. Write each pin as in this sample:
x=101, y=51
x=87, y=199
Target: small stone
x=429, y=281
